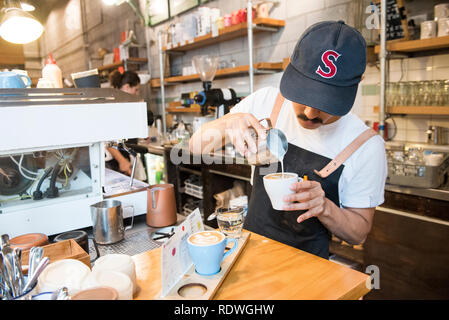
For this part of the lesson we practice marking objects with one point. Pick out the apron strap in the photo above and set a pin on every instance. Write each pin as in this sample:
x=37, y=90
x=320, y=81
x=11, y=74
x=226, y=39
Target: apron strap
x=346, y=153
x=276, y=109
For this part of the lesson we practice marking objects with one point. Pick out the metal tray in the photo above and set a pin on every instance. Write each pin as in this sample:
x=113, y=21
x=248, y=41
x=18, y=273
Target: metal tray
x=417, y=175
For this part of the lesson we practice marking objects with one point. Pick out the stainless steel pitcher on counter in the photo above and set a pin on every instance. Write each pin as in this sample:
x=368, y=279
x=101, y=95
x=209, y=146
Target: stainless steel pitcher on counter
x=107, y=221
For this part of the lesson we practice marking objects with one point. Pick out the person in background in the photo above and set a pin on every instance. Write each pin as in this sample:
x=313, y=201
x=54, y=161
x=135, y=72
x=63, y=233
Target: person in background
x=128, y=82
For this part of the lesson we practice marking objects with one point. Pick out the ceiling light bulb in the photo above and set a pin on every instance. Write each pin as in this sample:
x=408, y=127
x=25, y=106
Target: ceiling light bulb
x=20, y=27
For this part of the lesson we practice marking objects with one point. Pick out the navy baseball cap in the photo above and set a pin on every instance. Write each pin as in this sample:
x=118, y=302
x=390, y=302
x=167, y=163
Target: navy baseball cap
x=326, y=68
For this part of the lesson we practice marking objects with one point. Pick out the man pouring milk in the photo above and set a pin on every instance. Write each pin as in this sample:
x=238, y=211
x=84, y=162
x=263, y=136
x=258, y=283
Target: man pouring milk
x=343, y=159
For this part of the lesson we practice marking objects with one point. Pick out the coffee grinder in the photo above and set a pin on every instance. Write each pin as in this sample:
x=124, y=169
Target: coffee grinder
x=222, y=99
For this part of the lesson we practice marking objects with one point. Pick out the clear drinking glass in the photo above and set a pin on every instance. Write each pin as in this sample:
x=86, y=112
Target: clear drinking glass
x=230, y=221
x=438, y=92
x=403, y=94
x=427, y=99
x=414, y=93
x=446, y=93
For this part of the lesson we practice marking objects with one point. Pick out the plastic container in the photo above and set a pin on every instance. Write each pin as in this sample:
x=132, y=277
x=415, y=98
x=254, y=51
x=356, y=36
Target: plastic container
x=52, y=72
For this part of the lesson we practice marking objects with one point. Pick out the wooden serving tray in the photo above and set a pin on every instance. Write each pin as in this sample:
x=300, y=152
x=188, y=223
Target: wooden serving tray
x=196, y=287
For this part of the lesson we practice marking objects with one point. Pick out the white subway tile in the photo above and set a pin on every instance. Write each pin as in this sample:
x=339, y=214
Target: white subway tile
x=297, y=7
x=440, y=73
x=422, y=63
x=416, y=135
x=441, y=60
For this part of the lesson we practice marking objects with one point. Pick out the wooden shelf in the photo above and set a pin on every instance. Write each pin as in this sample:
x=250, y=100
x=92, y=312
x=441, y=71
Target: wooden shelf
x=120, y=63
x=223, y=73
x=416, y=110
x=176, y=107
x=227, y=33
x=416, y=45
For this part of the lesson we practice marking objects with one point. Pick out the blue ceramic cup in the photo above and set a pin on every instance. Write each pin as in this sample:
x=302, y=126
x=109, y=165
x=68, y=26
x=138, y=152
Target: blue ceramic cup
x=207, y=250
x=10, y=79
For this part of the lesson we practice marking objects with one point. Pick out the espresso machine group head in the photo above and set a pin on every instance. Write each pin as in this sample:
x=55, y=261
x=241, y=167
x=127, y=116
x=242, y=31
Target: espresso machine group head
x=222, y=99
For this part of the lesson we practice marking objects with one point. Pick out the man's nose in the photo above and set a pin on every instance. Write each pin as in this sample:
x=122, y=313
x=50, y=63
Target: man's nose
x=311, y=113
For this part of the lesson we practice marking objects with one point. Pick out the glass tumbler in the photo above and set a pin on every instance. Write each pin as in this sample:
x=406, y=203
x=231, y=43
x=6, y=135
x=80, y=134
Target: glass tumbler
x=403, y=94
x=230, y=221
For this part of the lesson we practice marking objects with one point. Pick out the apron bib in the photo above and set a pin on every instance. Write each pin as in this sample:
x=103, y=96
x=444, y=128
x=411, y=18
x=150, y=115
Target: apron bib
x=310, y=235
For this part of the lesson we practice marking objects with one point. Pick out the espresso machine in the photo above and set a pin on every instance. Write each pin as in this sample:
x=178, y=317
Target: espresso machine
x=52, y=156
x=221, y=99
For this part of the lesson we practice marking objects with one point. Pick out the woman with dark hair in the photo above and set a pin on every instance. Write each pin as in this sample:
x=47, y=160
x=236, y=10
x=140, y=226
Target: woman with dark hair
x=127, y=81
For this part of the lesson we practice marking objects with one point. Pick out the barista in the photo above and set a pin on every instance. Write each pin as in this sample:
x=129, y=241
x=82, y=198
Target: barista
x=343, y=159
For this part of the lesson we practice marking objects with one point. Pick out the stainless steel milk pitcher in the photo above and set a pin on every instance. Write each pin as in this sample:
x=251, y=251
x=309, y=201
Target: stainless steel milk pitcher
x=270, y=150
x=107, y=221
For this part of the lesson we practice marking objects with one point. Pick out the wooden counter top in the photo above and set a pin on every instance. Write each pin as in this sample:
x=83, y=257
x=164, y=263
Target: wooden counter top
x=267, y=270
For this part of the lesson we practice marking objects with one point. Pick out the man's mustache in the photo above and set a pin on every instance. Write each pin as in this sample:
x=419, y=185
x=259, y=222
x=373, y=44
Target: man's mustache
x=303, y=117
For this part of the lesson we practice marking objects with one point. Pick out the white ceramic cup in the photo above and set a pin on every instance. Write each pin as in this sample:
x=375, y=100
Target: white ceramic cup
x=108, y=278
x=68, y=273
x=120, y=263
x=278, y=188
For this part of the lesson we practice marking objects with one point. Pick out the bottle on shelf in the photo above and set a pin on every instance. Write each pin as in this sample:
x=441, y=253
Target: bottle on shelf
x=52, y=72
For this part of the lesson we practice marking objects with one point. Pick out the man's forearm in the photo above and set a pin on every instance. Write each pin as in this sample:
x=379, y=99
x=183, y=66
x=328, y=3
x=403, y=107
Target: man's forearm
x=210, y=135
x=346, y=224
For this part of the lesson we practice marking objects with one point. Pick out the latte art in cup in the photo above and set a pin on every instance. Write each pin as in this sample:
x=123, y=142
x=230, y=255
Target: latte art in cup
x=206, y=238
x=278, y=176
x=278, y=185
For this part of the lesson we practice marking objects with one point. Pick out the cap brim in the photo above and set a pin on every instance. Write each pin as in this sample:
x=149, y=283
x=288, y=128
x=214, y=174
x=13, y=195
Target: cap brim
x=334, y=100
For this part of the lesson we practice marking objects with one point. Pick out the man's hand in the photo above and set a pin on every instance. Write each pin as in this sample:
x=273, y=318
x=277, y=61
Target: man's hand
x=237, y=130
x=310, y=196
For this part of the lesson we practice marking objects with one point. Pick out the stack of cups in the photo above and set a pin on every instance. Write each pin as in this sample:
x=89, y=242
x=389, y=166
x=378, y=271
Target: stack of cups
x=113, y=279
x=428, y=29
x=203, y=22
x=116, y=263
x=68, y=273
x=441, y=11
x=443, y=27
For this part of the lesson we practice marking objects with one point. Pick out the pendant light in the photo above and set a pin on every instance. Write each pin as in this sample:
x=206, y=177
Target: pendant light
x=18, y=26
x=27, y=6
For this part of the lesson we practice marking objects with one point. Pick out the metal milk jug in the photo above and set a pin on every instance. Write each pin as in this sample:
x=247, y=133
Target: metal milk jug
x=270, y=150
x=107, y=221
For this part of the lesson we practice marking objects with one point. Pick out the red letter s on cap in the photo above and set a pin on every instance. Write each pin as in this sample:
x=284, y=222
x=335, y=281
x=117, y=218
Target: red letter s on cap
x=330, y=66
